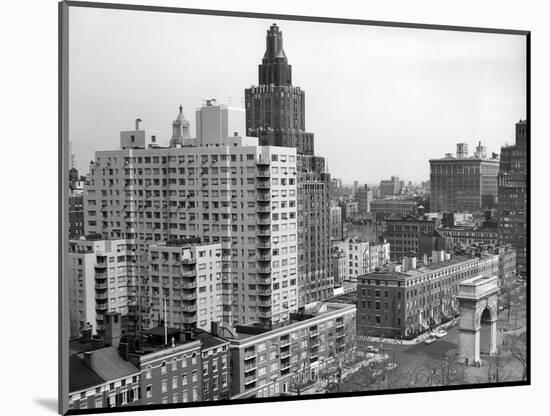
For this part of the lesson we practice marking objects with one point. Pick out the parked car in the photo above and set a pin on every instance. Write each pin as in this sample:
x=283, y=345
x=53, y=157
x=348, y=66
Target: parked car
x=440, y=334
x=391, y=366
x=429, y=341
x=377, y=373
x=372, y=349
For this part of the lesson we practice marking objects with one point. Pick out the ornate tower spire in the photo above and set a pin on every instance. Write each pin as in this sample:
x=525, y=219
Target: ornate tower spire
x=274, y=68
x=180, y=129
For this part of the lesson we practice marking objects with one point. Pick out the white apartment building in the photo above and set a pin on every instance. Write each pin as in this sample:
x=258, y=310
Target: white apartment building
x=225, y=190
x=362, y=256
x=185, y=284
x=98, y=279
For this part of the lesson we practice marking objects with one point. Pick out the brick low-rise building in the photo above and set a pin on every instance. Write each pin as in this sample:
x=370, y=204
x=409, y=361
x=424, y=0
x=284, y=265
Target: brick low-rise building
x=280, y=361
x=406, y=301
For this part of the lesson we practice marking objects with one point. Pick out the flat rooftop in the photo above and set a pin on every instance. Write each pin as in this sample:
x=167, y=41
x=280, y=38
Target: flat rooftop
x=253, y=329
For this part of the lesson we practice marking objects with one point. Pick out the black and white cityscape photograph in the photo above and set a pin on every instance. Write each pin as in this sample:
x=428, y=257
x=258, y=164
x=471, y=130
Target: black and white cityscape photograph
x=277, y=208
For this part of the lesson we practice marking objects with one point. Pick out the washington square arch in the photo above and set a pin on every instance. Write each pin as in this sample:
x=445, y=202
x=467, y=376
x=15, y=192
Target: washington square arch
x=478, y=317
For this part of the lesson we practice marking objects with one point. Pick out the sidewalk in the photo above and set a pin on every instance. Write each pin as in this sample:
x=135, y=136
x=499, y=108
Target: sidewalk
x=413, y=341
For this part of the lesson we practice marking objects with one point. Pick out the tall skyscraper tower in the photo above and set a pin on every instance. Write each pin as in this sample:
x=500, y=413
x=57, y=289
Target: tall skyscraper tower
x=512, y=195
x=275, y=113
x=275, y=110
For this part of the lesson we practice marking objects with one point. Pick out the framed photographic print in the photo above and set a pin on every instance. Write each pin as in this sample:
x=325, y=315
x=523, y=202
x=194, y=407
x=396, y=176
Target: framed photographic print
x=216, y=249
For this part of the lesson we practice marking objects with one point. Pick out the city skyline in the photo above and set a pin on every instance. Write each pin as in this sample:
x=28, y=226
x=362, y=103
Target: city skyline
x=451, y=66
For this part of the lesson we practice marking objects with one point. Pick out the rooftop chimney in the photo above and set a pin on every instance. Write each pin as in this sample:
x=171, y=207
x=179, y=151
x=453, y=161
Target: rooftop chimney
x=138, y=120
x=89, y=359
x=112, y=328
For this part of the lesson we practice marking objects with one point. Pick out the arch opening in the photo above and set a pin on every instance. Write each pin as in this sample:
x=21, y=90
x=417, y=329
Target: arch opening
x=487, y=324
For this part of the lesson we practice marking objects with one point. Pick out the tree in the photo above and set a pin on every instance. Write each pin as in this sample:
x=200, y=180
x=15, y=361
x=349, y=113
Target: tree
x=497, y=368
x=509, y=296
x=515, y=346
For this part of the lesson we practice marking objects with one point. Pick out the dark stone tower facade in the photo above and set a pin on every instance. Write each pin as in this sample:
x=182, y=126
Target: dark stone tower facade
x=275, y=110
x=512, y=195
x=275, y=113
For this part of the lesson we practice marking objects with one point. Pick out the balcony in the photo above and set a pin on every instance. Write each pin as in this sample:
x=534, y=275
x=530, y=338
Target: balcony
x=190, y=273
x=265, y=314
x=189, y=296
x=262, y=173
x=339, y=324
x=189, y=319
x=263, y=185
x=264, y=292
x=264, y=258
x=102, y=275
x=265, y=303
x=285, y=354
x=250, y=367
x=189, y=308
x=250, y=379
x=263, y=221
x=189, y=285
x=284, y=342
x=189, y=261
x=264, y=270
x=313, y=333
x=249, y=354
x=264, y=245
x=340, y=335
x=264, y=233
x=101, y=296
x=263, y=210
x=100, y=286
x=263, y=198
x=100, y=265
x=101, y=307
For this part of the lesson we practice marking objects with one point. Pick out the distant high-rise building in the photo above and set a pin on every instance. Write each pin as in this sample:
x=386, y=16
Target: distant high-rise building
x=512, y=195
x=336, y=222
x=390, y=187
x=463, y=183
x=355, y=187
x=362, y=256
x=275, y=113
x=363, y=197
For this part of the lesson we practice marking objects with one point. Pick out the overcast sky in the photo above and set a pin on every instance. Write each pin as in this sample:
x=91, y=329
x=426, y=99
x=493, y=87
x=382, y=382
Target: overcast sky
x=381, y=101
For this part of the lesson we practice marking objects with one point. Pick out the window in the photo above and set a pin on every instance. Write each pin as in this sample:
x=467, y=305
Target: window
x=174, y=382
x=174, y=364
x=163, y=367
x=149, y=391
x=184, y=379
x=194, y=376
x=164, y=386
x=194, y=358
x=148, y=372
x=185, y=396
